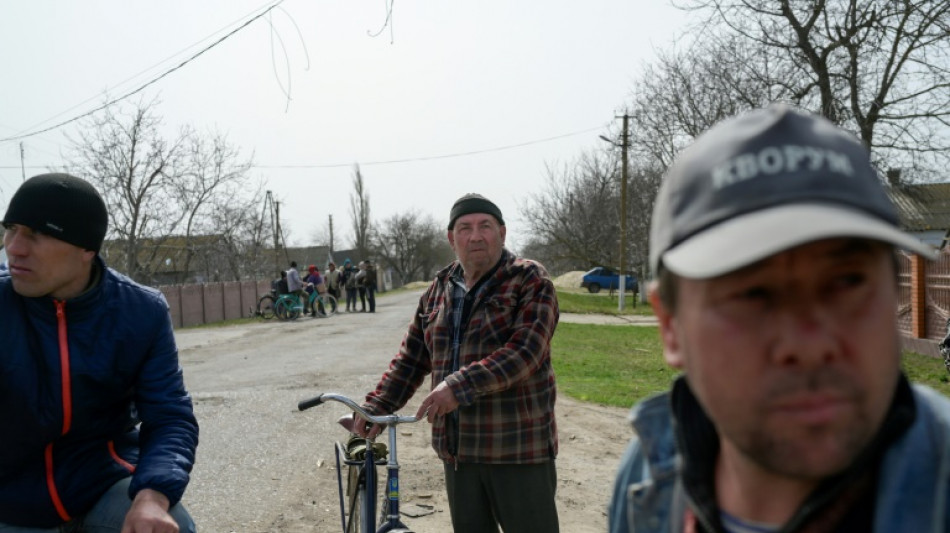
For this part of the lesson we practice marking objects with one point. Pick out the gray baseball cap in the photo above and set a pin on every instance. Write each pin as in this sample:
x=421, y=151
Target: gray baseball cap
x=763, y=182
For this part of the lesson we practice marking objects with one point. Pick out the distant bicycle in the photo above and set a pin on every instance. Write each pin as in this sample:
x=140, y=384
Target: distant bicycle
x=323, y=305
x=289, y=307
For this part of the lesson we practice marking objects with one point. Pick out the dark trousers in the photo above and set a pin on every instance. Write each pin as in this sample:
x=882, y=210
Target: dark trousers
x=371, y=298
x=362, y=291
x=351, y=299
x=519, y=498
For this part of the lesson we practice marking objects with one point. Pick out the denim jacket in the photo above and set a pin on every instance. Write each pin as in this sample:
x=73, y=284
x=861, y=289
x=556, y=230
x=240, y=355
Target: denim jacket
x=912, y=490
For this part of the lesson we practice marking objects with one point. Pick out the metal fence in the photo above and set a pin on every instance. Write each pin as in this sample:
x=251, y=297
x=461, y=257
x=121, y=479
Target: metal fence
x=193, y=305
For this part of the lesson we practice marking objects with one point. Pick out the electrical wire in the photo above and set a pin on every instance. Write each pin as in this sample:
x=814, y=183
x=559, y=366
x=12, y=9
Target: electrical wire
x=147, y=84
x=444, y=156
x=423, y=158
x=387, y=22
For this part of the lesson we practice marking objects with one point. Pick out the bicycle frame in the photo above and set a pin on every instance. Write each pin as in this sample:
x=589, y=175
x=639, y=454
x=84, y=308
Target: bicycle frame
x=392, y=524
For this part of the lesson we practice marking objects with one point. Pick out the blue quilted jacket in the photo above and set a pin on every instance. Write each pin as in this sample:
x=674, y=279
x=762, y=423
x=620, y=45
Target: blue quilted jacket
x=76, y=379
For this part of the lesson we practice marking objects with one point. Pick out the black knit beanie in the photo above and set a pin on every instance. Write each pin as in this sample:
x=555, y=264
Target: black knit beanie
x=474, y=203
x=61, y=206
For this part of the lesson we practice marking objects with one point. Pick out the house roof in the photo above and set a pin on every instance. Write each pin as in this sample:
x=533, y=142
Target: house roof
x=922, y=207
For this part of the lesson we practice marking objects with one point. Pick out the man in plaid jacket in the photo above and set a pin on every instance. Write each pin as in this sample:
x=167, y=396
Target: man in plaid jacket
x=483, y=332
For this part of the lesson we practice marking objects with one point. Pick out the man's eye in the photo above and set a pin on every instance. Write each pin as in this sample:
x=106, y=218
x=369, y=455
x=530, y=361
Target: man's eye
x=754, y=293
x=852, y=279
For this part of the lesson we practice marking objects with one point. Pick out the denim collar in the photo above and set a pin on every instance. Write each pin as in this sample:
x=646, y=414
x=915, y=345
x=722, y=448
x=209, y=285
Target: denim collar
x=698, y=442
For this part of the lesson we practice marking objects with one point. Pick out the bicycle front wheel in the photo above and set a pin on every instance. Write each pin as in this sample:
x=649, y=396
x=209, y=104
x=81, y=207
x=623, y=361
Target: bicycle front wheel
x=265, y=306
x=284, y=309
x=325, y=305
x=354, y=520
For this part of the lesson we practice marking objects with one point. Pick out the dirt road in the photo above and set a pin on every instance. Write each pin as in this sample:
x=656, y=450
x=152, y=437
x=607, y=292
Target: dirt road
x=265, y=467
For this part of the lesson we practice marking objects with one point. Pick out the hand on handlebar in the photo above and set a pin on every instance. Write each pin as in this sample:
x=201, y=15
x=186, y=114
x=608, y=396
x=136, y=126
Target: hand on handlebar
x=357, y=425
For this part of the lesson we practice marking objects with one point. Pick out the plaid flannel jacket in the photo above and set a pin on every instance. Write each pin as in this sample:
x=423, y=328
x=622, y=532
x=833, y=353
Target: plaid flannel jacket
x=505, y=384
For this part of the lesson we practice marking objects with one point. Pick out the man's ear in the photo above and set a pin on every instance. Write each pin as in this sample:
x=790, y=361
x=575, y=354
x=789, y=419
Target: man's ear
x=668, y=328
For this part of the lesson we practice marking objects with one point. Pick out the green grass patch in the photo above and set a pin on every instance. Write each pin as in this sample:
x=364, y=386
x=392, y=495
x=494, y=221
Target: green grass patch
x=927, y=370
x=609, y=365
x=621, y=365
x=583, y=303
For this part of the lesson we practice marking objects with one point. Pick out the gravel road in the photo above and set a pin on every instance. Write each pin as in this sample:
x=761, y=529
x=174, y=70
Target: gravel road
x=263, y=466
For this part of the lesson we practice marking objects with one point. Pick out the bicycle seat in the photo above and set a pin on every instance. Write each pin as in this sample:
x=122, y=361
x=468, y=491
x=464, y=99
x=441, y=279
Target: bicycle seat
x=356, y=449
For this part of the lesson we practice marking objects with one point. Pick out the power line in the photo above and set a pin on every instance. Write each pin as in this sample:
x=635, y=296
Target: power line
x=411, y=159
x=147, y=84
x=434, y=157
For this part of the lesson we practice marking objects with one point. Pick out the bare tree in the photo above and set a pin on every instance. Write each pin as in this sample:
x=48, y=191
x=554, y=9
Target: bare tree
x=683, y=93
x=413, y=246
x=170, y=202
x=124, y=154
x=215, y=176
x=359, y=210
x=877, y=67
x=576, y=216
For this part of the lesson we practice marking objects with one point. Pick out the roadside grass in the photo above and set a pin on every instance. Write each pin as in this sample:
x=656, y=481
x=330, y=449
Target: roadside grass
x=585, y=303
x=609, y=365
x=927, y=370
x=621, y=365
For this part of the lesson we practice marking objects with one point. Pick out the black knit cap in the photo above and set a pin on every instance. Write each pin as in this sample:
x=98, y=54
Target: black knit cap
x=474, y=203
x=61, y=206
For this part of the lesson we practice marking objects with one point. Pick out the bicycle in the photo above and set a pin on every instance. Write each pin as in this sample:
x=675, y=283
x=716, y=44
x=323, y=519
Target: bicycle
x=324, y=305
x=362, y=456
x=265, y=306
x=288, y=306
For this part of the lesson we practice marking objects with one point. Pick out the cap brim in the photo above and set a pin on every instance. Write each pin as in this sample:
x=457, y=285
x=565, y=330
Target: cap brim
x=745, y=239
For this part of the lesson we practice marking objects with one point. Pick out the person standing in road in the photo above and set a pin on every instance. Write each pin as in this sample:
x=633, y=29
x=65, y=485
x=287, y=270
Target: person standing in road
x=348, y=279
x=333, y=280
x=369, y=283
x=361, y=285
x=295, y=284
x=99, y=433
x=483, y=331
x=773, y=242
x=314, y=282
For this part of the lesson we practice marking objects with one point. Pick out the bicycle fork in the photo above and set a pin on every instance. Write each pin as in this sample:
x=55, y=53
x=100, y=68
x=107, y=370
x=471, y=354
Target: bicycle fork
x=392, y=524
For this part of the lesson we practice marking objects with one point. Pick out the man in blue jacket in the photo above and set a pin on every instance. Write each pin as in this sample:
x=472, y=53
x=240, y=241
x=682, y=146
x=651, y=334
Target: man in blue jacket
x=773, y=242
x=98, y=431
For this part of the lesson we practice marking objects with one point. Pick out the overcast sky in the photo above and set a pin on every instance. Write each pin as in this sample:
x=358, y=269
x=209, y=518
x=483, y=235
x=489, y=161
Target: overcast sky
x=528, y=83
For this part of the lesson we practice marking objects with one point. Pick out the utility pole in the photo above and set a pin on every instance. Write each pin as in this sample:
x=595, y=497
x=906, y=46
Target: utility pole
x=22, y=165
x=623, y=211
x=625, y=143
x=331, y=234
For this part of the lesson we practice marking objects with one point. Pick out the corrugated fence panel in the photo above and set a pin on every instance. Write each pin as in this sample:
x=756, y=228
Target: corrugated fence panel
x=213, y=301
x=263, y=287
x=192, y=308
x=249, y=297
x=232, y=300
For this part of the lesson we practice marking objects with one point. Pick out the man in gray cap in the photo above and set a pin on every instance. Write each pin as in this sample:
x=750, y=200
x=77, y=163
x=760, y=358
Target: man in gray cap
x=98, y=431
x=483, y=330
x=773, y=242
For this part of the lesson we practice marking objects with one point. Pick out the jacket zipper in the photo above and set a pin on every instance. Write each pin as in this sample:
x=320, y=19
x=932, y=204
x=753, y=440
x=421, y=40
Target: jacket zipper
x=67, y=408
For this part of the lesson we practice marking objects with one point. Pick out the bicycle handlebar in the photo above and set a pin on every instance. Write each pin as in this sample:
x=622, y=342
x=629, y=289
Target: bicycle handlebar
x=386, y=420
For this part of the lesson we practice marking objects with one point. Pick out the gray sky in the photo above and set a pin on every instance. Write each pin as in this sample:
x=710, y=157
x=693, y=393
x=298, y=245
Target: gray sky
x=446, y=77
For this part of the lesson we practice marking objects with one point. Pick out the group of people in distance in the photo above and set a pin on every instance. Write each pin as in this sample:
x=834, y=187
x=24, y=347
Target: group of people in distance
x=775, y=288
x=353, y=281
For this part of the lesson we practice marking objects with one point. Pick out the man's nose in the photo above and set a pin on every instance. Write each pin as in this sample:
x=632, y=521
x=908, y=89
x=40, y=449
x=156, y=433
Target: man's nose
x=805, y=335
x=14, y=243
